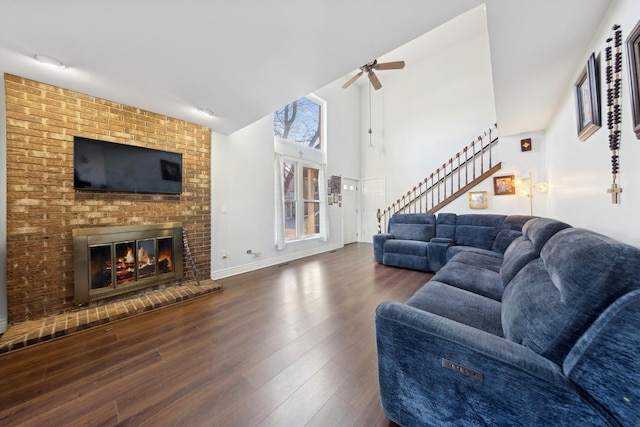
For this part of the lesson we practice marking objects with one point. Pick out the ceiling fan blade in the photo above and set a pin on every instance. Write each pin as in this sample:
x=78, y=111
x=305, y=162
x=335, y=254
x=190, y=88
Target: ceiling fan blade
x=396, y=65
x=351, y=80
x=374, y=80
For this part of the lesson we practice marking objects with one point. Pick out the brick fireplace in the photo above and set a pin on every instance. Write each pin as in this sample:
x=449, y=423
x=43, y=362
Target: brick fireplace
x=43, y=209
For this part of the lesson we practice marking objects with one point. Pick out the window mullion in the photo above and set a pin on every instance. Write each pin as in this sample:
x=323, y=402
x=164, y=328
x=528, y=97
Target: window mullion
x=299, y=201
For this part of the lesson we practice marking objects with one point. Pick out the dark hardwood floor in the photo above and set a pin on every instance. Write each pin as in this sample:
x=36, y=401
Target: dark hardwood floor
x=291, y=345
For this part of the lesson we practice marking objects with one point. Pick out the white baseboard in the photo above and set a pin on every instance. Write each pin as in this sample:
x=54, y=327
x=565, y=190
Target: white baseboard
x=245, y=268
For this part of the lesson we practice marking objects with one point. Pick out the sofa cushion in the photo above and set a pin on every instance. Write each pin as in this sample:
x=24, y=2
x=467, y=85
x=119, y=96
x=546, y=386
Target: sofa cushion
x=551, y=302
x=412, y=254
x=510, y=229
x=413, y=226
x=453, y=251
x=446, y=225
x=519, y=253
x=525, y=248
x=423, y=232
x=406, y=247
x=478, y=231
x=459, y=305
x=473, y=278
x=486, y=259
x=539, y=230
x=412, y=262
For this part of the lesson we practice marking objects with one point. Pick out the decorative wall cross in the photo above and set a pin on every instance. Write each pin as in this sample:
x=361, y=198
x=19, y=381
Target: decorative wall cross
x=614, y=87
x=615, y=193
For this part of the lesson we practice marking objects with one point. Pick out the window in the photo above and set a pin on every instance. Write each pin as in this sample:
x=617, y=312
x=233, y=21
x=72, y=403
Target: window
x=300, y=122
x=290, y=203
x=301, y=196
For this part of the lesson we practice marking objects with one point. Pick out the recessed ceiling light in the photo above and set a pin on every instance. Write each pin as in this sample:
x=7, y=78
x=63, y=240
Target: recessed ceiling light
x=206, y=112
x=47, y=60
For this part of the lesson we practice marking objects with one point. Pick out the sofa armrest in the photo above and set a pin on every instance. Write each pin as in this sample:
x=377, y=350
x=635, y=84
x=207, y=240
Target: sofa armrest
x=438, y=252
x=604, y=362
x=378, y=245
x=492, y=381
x=442, y=240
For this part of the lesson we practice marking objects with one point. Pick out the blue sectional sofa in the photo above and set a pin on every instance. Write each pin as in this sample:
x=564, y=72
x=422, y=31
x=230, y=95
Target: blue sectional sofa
x=424, y=242
x=547, y=333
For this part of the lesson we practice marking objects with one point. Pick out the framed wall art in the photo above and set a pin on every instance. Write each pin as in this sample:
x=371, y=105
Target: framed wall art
x=336, y=184
x=503, y=185
x=633, y=56
x=478, y=199
x=587, y=94
x=525, y=144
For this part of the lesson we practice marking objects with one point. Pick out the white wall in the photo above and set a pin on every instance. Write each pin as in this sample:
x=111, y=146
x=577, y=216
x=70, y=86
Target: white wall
x=580, y=172
x=518, y=163
x=243, y=187
x=431, y=110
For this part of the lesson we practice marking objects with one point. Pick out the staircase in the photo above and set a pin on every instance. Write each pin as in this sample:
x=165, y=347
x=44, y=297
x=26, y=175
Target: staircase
x=453, y=179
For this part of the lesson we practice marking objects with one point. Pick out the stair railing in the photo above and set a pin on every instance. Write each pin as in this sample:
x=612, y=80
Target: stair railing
x=464, y=170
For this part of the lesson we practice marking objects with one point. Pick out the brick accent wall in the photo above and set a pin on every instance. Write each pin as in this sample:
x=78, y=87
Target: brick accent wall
x=43, y=208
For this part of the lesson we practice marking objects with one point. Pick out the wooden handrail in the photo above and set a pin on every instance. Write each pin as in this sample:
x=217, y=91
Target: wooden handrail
x=446, y=184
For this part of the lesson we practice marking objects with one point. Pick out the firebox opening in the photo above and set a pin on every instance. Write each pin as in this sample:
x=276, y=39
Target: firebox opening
x=113, y=260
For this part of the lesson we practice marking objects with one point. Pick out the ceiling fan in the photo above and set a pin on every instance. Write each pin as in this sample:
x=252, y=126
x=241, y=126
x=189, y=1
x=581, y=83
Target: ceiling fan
x=369, y=69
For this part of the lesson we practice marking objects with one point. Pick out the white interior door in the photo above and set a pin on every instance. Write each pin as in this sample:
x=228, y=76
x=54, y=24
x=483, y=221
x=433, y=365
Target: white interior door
x=349, y=210
x=373, y=196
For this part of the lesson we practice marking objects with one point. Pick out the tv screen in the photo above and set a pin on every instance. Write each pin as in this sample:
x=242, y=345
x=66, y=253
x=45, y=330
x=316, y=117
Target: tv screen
x=108, y=166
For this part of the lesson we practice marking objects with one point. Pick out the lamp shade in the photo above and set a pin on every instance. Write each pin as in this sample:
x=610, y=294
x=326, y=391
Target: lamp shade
x=542, y=187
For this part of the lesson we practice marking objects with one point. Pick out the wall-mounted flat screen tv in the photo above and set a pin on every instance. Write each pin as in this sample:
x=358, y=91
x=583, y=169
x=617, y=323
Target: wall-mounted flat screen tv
x=108, y=166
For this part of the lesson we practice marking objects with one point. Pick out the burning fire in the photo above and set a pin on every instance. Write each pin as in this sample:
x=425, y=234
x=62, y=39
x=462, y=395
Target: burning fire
x=167, y=259
x=126, y=262
x=143, y=258
x=133, y=260
x=128, y=258
x=126, y=268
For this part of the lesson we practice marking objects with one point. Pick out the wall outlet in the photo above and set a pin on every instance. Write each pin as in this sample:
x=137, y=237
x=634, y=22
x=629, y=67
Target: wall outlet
x=249, y=252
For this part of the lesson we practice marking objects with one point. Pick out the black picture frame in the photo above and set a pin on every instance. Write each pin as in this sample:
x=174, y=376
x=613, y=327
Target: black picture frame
x=633, y=57
x=587, y=95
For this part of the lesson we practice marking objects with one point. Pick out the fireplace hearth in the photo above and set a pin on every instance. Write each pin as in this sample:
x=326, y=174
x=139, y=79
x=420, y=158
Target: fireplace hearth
x=110, y=261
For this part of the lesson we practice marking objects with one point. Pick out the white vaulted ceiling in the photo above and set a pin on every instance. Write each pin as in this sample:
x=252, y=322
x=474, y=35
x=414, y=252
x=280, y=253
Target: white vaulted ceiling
x=245, y=59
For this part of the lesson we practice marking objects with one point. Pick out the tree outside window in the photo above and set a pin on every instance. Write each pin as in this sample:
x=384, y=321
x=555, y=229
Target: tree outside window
x=299, y=122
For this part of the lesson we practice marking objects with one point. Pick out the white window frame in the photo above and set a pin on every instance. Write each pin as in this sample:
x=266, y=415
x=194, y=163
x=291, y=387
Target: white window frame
x=299, y=200
x=305, y=156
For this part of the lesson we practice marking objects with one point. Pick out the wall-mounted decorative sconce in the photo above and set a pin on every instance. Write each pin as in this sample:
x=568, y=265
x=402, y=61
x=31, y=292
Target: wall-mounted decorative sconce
x=50, y=61
x=206, y=112
x=527, y=191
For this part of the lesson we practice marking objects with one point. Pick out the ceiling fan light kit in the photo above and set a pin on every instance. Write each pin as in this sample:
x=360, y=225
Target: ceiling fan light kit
x=370, y=70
